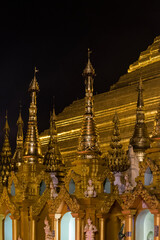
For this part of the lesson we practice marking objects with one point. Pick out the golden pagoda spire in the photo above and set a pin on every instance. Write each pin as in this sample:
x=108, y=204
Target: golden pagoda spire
x=6, y=155
x=88, y=142
x=117, y=158
x=32, y=148
x=18, y=155
x=53, y=157
x=140, y=139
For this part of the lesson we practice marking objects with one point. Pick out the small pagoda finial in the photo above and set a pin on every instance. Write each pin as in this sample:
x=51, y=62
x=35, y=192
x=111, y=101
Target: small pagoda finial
x=54, y=112
x=140, y=139
x=88, y=141
x=6, y=155
x=6, y=126
x=32, y=147
x=53, y=157
x=20, y=106
x=89, y=53
x=20, y=121
x=18, y=155
x=117, y=157
x=34, y=87
x=89, y=70
x=35, y=71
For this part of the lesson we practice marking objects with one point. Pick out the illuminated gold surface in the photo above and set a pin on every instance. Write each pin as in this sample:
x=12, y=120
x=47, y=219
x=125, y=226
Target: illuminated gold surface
x=149, y=56
x=32, y=150
x=125, y=105
x=108, y=210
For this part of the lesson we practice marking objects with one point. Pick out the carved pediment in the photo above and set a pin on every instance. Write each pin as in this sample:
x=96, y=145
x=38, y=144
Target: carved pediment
x=6, y=201
x=62, y=197
x=107, y=174
x=72, y=175
x=108, y=203
x=43, y=176
x=140, y=192
x=13, y=178
x=40, y=203
x=148, y=163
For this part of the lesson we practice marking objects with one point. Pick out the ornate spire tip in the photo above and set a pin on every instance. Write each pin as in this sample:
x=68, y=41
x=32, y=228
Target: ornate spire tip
x=89, y=53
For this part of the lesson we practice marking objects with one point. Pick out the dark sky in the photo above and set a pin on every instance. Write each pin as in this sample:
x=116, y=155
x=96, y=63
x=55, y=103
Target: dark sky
x=55, y=40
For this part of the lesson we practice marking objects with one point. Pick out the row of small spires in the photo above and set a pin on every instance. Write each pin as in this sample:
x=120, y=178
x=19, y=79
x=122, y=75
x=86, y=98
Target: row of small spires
x=29, y=152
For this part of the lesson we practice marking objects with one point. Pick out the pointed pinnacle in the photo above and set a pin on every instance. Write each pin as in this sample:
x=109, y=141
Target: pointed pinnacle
x=6, y=126
x=34, y=87
x=89, y=70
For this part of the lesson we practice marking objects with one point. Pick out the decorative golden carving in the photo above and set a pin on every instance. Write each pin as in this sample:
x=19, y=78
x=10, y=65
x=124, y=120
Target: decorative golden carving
x=71, y=175
x=43, y=176
x=5, y=200
x=40, y=203
x=129, y=199
x=13, y=178
x=148, y=163
x=106, y=205
x=63, y=196
x=107, y=174
x=117, y=159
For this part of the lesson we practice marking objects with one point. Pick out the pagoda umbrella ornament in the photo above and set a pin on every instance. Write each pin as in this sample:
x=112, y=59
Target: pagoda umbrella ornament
x=117, y=158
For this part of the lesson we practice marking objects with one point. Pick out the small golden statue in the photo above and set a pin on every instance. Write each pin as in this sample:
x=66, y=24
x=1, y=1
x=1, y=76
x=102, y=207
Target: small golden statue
x=90, y=192
x=90, y=230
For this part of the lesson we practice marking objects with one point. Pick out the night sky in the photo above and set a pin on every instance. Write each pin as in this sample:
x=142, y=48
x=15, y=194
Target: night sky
x=55, y=40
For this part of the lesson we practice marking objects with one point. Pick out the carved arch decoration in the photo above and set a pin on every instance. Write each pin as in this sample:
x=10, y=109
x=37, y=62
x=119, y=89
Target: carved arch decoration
x=63, y=196
x=40, y=203
x=6, y=201
x=148, y=163
x=140, y=191
x=43, y=176
x=107, y=174
x=19, y=188
x=13, y=178
x=106, y=205
x=71, y=175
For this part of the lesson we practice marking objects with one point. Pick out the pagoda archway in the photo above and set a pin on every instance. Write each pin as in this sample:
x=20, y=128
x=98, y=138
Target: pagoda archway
x=8, y=227
x=145, y=225
x=67, y=227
